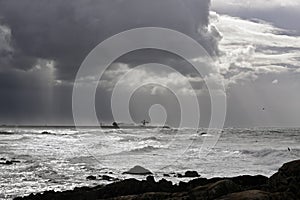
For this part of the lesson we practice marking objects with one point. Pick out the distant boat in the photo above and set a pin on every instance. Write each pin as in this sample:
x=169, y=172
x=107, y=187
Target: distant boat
x=144, y=125
x=144, y=122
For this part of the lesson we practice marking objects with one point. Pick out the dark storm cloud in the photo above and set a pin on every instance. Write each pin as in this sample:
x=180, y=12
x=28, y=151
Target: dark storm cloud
x=66, y=31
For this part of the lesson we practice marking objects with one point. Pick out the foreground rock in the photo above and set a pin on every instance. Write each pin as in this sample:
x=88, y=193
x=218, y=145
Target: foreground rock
x=287, y=179
x=188, y=174
x=283, y=185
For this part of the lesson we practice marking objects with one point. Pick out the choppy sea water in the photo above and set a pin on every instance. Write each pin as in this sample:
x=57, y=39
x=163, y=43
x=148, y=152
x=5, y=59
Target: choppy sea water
x=62, y=158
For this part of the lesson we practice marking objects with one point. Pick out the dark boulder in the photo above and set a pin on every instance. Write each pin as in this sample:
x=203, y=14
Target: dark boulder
x=115, y=125
x=150, y=179
x=191, y=174
x=287, y=179
x=188, y=174
x=47, y=133
x=91, y=178
x=138, y=170
x=5, y=133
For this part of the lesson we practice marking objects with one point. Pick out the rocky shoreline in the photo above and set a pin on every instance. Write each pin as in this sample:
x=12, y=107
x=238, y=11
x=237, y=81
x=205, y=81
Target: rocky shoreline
x=283, y=185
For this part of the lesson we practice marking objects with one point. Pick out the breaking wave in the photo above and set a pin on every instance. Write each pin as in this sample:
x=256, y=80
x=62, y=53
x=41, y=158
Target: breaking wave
x=270, y=152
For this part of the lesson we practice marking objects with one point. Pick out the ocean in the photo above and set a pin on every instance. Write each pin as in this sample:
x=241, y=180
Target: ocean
x=62, y=158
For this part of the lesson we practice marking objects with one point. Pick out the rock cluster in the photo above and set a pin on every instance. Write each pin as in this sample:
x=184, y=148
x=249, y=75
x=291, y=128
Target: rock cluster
x=283, y=185
x=4, y=161
x=188, y=174
x=101, y=177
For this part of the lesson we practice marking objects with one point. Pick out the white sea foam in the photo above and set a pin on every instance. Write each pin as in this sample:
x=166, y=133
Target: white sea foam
x=62, y=158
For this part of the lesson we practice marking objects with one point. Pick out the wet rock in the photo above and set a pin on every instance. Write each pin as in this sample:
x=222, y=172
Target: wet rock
x=138, y=170
x=150, y=179
x=108, y=178
x=4, y=161
x=247, y=195
x=8, y=162
x=215, y=190
x=191, y=174
x=46, y=132
x=188, y=174
x=251, y=182
x=257, y=195
x=133, y=187
x=166, y=185
x=287, y=179
x=5, y=133
x=91, y=178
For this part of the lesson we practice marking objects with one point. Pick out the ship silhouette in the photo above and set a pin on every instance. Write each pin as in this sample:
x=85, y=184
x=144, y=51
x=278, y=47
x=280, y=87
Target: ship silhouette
x=144, y=125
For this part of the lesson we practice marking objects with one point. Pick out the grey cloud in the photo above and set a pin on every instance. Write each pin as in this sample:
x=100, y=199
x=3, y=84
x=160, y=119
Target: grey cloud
x=287, y=19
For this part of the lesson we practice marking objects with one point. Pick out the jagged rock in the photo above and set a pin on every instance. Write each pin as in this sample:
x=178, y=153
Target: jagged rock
x=138, y=170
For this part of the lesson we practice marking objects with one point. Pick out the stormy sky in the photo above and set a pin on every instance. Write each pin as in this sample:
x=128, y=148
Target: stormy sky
x=256, y=53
